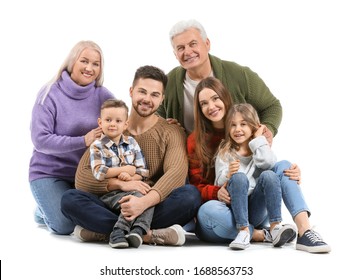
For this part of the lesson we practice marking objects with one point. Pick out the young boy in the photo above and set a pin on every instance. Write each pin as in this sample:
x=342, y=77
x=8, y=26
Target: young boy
x=119, y=156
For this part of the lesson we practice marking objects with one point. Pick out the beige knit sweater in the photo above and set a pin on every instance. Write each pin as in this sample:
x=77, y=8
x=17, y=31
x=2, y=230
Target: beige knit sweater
x=164, y=148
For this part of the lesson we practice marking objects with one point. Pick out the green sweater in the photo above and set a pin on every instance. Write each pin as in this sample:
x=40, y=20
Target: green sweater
x=244, y=85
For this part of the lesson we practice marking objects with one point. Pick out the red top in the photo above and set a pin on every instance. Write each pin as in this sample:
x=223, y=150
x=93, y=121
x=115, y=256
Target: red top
x=196, y=175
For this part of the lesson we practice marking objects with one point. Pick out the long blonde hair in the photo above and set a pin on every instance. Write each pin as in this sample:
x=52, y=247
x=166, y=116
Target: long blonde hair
x=70, y=61
x=228, y=146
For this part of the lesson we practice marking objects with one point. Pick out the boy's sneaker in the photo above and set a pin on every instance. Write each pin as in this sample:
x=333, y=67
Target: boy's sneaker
x=241, y=241
x=89, y=236
x=311, y=242
x=134, y=238
x=118, y=239
x=174, y=235
x=281, y=234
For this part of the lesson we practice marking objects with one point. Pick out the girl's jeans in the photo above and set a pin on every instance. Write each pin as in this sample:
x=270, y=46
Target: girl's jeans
x=216, y=221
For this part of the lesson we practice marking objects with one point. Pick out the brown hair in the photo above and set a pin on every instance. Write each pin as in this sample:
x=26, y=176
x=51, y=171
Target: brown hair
x=114, y=103
x=203, y=127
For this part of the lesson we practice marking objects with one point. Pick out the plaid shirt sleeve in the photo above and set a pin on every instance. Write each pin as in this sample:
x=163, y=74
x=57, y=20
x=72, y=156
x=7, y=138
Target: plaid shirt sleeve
x=97, y=161
x=134, y=156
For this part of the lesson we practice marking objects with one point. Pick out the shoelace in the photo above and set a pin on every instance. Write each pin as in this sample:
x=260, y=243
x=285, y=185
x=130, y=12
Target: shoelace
x=314, y=236
x=156, y=239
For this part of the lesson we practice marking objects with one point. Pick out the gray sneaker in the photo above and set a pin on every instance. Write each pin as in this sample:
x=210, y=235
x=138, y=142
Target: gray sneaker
x=174, y=235
x=86, y=235
x=281, y=234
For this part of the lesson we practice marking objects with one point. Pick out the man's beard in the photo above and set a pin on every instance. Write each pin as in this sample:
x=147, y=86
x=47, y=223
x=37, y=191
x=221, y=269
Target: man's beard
x=142, y=113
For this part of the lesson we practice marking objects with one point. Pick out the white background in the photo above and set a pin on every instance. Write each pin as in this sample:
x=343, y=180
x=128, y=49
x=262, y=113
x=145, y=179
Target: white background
x=301, y=49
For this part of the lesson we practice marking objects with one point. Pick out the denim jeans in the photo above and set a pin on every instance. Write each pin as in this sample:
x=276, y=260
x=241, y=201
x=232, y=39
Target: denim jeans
x=291, y=192
x=143, y=221
x=88, y=211
x=47, y=192
x=218, y=222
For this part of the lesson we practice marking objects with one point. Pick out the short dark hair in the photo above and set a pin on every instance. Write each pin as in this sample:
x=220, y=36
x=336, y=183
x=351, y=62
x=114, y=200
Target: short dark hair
x=150, y=72
x=114, y=103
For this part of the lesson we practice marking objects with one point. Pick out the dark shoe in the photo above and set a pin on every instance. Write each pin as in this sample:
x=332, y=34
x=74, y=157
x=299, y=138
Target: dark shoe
x=118, y=239
x=89, y=236
x=134, y=239
x=311, y=242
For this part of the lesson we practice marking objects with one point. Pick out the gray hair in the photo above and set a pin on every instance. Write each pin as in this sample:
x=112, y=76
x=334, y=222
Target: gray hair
x=185, y=25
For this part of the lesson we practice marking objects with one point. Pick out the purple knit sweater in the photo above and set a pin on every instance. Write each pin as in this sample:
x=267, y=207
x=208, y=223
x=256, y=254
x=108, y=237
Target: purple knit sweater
x=59, y=124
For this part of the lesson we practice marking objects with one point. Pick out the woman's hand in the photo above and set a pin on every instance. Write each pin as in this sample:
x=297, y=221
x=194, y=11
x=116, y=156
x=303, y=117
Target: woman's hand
x=223, y=195
x=92, y=135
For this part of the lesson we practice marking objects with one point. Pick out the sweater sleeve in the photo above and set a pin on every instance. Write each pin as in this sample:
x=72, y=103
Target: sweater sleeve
x=175, y=163
x=263, y=156
x=84, y=179
x=246, y=86
x=268, y=106
x=43, y=135
x=208, y=191
x=221, y=171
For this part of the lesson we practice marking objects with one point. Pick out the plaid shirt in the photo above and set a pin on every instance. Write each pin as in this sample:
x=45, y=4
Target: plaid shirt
x=104, y=154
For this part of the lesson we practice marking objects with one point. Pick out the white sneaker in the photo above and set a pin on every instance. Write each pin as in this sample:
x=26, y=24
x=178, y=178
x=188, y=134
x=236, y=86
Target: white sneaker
x=281, y=234
x=241, y=241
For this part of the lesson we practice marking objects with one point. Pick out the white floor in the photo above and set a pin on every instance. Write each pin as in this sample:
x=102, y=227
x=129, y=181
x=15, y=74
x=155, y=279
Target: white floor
x=34, y=253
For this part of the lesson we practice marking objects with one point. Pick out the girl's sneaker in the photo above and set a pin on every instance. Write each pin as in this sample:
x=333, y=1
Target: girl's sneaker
x=241, y=241
x=281, y=234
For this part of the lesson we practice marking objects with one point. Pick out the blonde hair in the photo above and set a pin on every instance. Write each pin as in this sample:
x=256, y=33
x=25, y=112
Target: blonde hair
x=228, y=146
x=71, y=60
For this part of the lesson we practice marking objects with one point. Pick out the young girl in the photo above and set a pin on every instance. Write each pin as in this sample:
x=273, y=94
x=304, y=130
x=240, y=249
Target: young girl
x=243, y=161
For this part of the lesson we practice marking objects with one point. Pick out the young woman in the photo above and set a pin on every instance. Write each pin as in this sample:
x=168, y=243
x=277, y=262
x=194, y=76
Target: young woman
x=215, y=223
x=63, y=125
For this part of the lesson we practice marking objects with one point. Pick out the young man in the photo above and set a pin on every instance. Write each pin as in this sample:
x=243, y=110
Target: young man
x=164, y=148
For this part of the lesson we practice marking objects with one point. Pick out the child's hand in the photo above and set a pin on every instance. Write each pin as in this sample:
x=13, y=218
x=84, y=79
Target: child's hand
x=260, y=131
x=234, y=166
x=124, y=176
x=263, y=130
x=130, y=169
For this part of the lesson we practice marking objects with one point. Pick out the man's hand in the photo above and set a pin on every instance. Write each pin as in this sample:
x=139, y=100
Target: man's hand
x=131, y=207
x=268, y=135
x=294, y=173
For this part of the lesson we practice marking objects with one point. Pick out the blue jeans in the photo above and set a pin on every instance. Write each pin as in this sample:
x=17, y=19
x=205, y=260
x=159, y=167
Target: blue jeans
x=291, y=192
x=47, y=192
x=218, y=222
x=88, y=211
